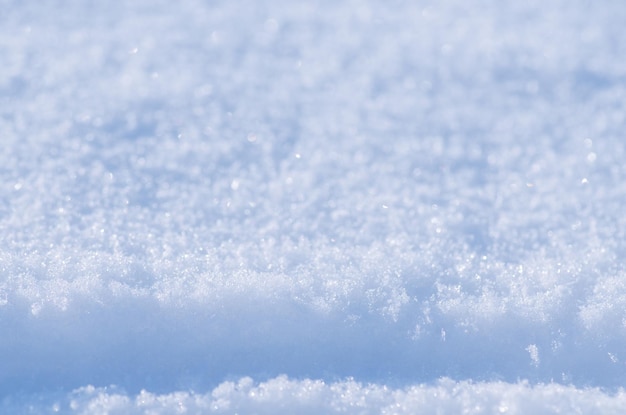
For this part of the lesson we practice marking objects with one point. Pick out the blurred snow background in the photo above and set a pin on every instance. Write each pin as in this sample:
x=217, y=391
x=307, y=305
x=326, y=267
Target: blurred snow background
x=395, y=205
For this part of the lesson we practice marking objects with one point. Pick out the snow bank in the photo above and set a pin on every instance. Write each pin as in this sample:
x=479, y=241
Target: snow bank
x=198, y=192
x=281, y=395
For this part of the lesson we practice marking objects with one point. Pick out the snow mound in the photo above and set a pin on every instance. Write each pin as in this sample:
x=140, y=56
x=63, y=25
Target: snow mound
x=282, y=395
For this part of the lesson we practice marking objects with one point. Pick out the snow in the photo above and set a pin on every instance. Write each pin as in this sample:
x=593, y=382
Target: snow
x=312, y=207
x=349, y=397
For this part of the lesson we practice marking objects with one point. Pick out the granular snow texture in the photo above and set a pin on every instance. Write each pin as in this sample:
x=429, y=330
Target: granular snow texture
x=322, y=206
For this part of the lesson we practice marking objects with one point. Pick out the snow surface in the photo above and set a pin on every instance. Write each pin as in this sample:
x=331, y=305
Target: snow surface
x=313, y=207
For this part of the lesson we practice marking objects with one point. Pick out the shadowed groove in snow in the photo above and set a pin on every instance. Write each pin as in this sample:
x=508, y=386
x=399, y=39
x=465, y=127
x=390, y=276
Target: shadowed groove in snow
x=199, y=332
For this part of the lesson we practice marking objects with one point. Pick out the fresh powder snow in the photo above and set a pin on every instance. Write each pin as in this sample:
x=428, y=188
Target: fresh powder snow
x=350, y=207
